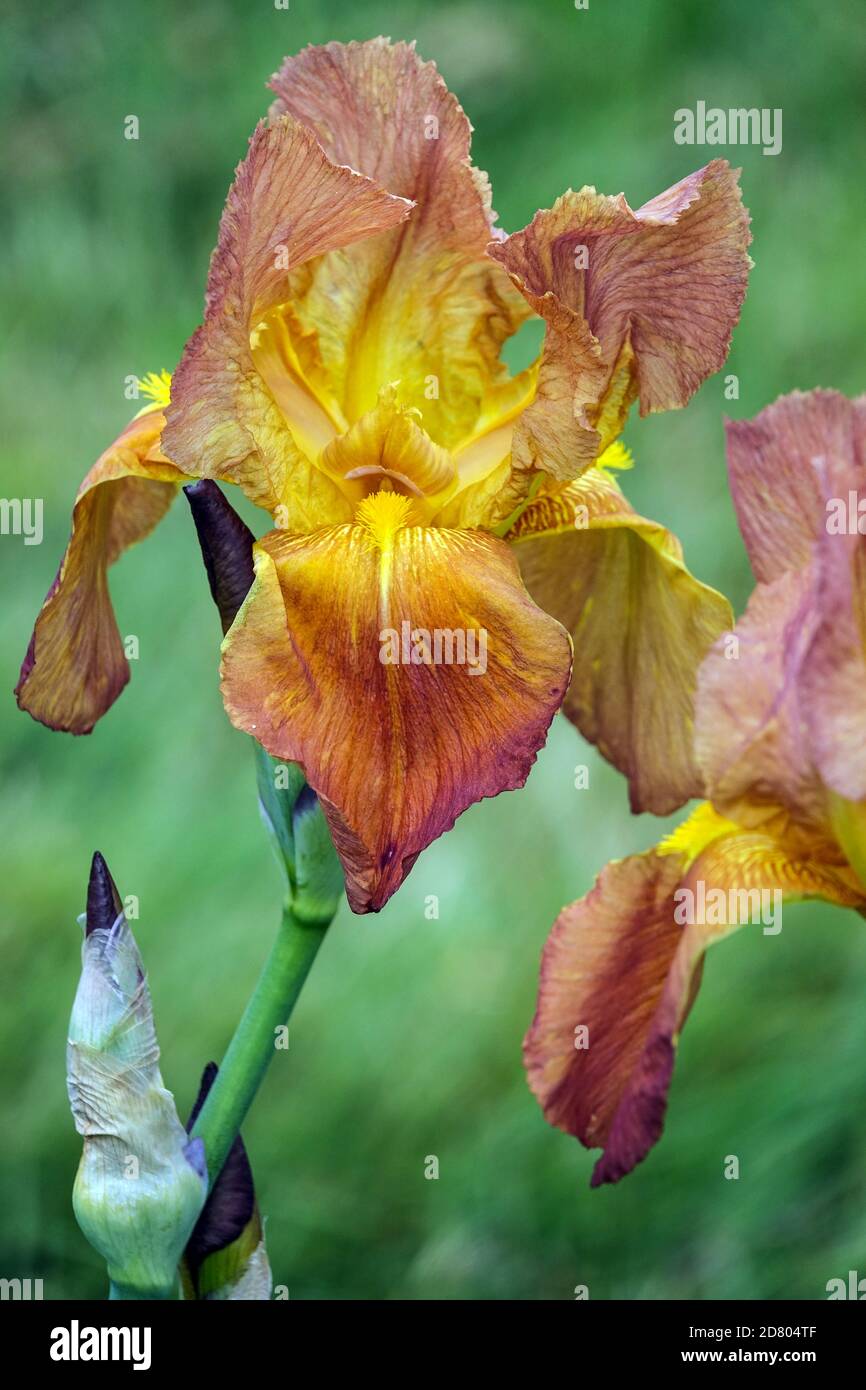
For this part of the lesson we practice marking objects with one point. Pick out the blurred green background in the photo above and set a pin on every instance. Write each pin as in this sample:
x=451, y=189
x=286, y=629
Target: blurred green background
x=407, y=1039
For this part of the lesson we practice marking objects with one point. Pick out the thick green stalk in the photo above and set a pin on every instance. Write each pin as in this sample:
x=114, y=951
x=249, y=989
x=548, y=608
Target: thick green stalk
x=252, y=1046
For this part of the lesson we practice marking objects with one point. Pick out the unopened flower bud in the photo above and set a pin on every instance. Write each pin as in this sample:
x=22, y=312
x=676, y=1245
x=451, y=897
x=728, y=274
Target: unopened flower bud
x=225, y=1258
x=226, y=546
x=141, y=1183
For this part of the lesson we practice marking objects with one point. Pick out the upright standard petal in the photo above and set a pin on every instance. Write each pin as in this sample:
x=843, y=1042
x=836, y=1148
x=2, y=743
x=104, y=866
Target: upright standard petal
x=639, y=305
x=404, y=668
x=751, y=739
x=75, y=666
x=640, y=622
x=623, y=965
x=289, y=203
x=775, y=465
x=786, y=724
x=421, y=305
x=833, y=673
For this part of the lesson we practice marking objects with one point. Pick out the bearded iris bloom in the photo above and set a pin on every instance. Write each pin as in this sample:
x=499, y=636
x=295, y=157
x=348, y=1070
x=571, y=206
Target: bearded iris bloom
x=780, y=737
x=347, y=377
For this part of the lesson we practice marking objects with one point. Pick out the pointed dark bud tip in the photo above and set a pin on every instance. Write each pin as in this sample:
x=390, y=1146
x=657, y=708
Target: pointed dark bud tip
x=103, y=900
x=208, y=1077
x=226, y=546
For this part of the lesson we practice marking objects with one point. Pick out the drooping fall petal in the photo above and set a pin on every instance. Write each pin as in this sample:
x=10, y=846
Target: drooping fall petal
x=404, y=668
x=621, y=969
x=640, y=623
x=640, y=305
x=775, y=463
x=421, y=305
x=288, y=204
x=75, y=666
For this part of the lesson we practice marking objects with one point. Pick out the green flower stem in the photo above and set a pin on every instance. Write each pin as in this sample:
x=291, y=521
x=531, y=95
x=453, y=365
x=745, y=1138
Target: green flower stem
x=252, y=1046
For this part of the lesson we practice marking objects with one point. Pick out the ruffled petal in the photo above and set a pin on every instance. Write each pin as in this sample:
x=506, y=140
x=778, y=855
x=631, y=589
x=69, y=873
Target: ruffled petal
x=329, y=665
x=638, y=305
x=775, y=464
x=751, y=738
x=621, y=969
x=781, y=723
x=289, y=203
x=75, y=666
x=833, y=675
x=422, y=305
x=640, y=622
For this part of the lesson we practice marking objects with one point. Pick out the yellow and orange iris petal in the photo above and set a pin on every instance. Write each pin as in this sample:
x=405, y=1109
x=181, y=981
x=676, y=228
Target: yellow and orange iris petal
x=289, y=204
x=404, y=668
x=421, y=304
x=356, y=306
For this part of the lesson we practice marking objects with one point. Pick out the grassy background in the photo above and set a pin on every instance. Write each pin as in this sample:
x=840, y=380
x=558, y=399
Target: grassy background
x=407, y=1039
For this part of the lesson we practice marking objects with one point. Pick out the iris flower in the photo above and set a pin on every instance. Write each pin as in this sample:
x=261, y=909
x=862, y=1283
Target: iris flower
x=780, y=738
x=347, y=377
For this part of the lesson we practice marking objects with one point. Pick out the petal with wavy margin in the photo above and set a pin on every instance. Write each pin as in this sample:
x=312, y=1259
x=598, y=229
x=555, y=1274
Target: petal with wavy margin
x=653, y=297
x=395, y=751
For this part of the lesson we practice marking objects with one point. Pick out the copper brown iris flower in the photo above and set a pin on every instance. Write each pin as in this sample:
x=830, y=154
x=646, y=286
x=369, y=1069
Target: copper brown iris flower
x=347, y=377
